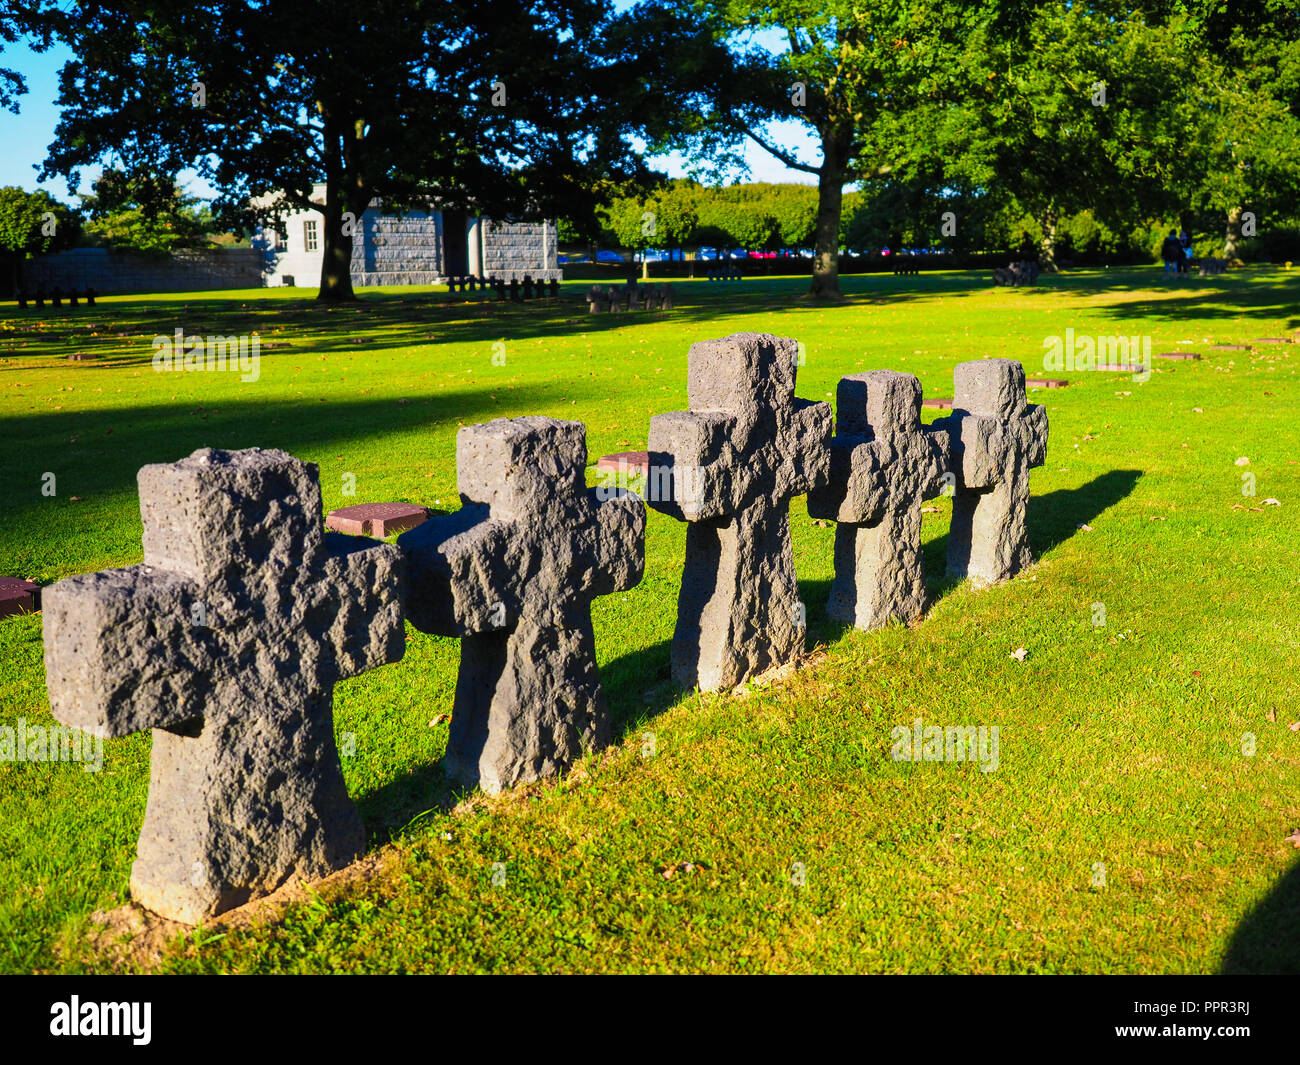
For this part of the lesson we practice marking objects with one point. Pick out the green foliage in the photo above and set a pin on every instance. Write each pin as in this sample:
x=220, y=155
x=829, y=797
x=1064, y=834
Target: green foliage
x=685, y=214
x=34, y=223
x=408, y=100
x=146, y=213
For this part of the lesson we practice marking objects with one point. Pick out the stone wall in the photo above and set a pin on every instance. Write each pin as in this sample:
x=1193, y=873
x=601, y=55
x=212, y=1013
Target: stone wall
x=398, y=250
x=124, y=271
x=512, y=249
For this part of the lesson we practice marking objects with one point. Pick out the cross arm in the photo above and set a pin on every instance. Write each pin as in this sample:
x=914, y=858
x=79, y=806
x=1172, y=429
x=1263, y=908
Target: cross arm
x=128, y=649
x=620, y=541
x=459, y=574
x=1036, y=434
x=847, y=496
x=977, y=447
x=692, y=472
x=939, y=461
x=805, y=443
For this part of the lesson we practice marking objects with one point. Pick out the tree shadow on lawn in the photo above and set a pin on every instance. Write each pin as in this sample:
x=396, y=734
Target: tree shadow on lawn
x=1216, y=302
x=1267, y=941
x=419, y=320
x=103, y=462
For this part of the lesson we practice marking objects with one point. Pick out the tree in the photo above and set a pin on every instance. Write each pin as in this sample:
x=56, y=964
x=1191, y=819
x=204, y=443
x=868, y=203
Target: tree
x=793, y=209
x=666, y=217
x=22, y=19
x=33, y=223
x=742, y=213
x=845, y=65
x=145, y=212
x=1244, y=155
x=418, y=102
x=1067, y=108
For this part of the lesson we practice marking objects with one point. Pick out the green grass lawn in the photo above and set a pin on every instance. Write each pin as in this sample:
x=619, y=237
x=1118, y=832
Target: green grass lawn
x=1121, y=746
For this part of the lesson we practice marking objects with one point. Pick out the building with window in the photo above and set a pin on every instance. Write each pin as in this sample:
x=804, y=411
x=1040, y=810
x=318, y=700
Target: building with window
x=417, y=248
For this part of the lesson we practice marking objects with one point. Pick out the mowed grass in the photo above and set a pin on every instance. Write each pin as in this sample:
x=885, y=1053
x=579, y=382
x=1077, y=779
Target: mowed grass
x=1124, y=829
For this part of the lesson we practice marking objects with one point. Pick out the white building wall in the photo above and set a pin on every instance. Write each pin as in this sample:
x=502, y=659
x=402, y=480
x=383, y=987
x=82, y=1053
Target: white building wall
x=391, y=249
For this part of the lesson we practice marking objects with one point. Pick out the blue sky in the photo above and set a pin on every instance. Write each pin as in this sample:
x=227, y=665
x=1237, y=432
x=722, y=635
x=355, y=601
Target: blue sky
x=24, y=137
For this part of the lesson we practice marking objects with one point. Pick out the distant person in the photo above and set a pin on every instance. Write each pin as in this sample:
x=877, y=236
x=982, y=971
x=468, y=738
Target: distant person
x=1171, y=251
x=1185, y=239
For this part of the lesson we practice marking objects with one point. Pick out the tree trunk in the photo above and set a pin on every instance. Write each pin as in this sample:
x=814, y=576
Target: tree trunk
x=1047, y=245
x=826, y=235
x=336, y=263
x=1232, y=233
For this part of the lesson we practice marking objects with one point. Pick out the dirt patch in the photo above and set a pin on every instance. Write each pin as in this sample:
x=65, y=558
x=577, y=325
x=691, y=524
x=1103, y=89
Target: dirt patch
x=132, y=938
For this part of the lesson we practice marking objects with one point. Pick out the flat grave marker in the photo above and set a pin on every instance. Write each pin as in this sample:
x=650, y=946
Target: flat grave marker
x=376, y=519
x=18, y=596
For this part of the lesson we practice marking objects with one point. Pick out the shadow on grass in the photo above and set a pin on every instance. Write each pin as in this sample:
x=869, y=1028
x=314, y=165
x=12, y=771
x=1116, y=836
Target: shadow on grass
x=99, y=452
x=1267, y=941
x=421, y=319
x=390, y=808
x=1055, y=517
x=638, y=685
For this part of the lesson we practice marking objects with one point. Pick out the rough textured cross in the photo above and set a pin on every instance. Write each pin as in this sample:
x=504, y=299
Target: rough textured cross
x=513, y=573
x=884, y=463
x=227, y=642
x=729, y=466
x=996, y=438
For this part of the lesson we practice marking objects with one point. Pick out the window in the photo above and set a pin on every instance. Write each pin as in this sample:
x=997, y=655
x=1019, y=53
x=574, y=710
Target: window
x=309, y=234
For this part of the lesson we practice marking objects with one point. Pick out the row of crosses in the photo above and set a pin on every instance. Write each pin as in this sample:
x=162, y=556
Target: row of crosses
x=227, y=641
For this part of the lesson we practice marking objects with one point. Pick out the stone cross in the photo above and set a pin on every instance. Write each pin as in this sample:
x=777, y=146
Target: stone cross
x=884, y=463
x=513, y=573
x=996, y=438
x=729, y=467
x=227, y=642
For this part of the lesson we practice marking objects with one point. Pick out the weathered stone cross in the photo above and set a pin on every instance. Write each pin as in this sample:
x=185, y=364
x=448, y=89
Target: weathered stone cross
x=514, y=572
x=884, y=463
x=729, y=467
x=227, y=642
x=996, y=438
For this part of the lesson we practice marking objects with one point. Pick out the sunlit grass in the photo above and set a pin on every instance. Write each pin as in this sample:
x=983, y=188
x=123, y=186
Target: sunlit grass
x=1121, y=746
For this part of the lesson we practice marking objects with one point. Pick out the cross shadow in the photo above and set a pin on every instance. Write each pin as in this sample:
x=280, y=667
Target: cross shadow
x=638, y=685
x=1056, y=516
x=423, y=790
x=1267, y=941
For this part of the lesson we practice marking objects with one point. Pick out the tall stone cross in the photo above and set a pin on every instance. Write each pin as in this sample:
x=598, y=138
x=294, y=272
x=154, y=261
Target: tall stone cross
x=996, y=438
x=513, y=573
x=227, y=642
x=729, y=467
x=884, y=463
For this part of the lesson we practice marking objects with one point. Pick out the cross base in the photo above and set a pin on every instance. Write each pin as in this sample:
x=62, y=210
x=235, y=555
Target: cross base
x=528, y=705
x=241, y=806
x=739, y=612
